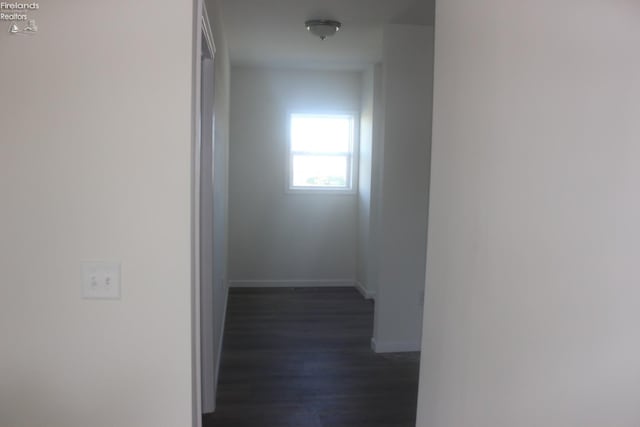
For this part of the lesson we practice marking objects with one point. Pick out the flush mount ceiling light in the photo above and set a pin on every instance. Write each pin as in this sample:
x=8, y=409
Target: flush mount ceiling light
x=322, y=28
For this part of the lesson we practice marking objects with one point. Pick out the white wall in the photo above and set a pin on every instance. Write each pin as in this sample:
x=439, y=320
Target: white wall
x=274, y=235
x=407, y=90
x=532, y=283
x=364, y=183
x=214, y=292
x=377, y=160
x=95, y=157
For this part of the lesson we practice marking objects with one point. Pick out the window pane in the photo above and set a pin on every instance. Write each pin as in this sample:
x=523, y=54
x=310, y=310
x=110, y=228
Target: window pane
x=320, y=171
x=321, y=134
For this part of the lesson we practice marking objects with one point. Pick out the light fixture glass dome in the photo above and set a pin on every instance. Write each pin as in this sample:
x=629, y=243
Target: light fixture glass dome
x=322, y=28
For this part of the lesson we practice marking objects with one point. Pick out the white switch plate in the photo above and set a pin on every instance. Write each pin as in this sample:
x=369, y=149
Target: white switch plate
x=101, y=280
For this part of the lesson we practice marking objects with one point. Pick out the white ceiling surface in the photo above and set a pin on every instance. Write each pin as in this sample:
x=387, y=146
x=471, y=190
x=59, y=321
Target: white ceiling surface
x=272, y=32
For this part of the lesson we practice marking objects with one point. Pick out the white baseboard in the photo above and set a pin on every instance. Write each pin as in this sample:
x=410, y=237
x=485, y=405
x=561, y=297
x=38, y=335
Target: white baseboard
x=367, y=294
x=290, y=283
x=394, y=346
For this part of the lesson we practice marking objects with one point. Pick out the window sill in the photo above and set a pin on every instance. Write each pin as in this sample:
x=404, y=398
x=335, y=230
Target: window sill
x=321, y=191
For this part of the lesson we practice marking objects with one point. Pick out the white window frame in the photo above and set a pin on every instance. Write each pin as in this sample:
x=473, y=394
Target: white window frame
x=352, y=164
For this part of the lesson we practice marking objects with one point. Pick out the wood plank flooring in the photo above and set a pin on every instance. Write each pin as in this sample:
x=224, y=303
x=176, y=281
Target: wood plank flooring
x=301, y=357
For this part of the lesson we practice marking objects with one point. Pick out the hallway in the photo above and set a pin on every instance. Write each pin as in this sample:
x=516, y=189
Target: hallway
x=302, y=357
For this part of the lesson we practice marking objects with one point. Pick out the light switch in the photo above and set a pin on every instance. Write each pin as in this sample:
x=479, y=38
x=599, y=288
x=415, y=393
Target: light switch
x=101, y=280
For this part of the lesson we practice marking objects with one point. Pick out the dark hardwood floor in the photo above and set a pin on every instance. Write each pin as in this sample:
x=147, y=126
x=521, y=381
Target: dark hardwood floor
x=301, y=357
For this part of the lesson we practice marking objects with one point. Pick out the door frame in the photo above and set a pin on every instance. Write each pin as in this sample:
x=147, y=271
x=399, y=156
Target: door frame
x=201, y=30
x=209, y=358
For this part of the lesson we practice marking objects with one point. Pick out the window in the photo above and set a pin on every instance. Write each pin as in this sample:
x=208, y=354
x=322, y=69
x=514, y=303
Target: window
x=321, y=151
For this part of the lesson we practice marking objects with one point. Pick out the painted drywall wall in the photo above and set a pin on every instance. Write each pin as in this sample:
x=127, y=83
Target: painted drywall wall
x=364, y=182
x=407, y=88
x=532, y=294
x=375, y=206
x=214, y=293
x=95, y=155
x=274, y=235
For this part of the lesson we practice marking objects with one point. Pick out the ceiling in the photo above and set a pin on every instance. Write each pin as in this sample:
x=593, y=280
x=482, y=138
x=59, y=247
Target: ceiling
x=272, y=32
